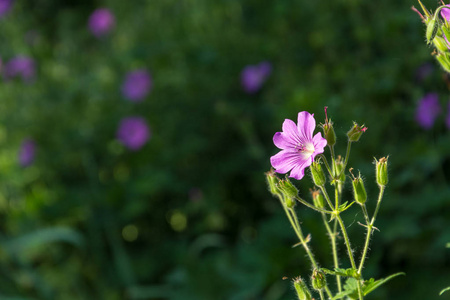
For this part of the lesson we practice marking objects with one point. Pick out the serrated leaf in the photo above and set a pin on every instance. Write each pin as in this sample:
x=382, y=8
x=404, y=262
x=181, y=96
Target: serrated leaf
x=371, y=284
x=444, y=290
x=341, y=295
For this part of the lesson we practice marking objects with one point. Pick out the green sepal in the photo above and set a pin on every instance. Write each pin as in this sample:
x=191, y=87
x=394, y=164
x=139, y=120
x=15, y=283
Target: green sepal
x=432, y=29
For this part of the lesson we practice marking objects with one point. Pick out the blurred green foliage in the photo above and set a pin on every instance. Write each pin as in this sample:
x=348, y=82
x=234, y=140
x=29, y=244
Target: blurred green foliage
x=189, y=216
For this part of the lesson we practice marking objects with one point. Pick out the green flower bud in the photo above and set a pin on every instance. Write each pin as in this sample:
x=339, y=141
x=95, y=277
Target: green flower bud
x=318, y=280
x=381, y=171
x=444, y=61
x=359, y=191
x=337, y=170
x=432, y=29
x=318, y=199
x=302, y=290
x=317, y=174
x=289, y=191
x=328, y=130
x=440, y=44
x=355, y=132
x=272, y=182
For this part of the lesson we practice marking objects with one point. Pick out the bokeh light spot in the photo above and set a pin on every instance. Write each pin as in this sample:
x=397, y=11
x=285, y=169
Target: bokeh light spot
x=130, y=233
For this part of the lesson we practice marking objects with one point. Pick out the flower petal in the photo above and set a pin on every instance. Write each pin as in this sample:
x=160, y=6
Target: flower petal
x=282, y=141
x=299, y=170
x=306, y=125
x=291, y=132
x=285, y=160
x=319, y=143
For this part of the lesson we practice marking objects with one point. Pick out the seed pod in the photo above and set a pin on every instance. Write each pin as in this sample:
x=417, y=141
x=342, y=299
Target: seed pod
x=317, y=174
x=381, y=171
x=302, y=290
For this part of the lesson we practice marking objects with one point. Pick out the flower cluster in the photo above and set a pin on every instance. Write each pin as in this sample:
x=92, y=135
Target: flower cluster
x=300, y=148
x=438, y=32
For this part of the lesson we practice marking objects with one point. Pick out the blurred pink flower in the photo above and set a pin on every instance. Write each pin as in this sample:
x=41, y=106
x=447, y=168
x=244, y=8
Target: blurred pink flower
x=27, y=152
x=5, y=7
x=254, y=76
x=137, y=85
x=427, y=110
x=20, y=66
x=101, y=22
x=133, y=132
x=298, y=146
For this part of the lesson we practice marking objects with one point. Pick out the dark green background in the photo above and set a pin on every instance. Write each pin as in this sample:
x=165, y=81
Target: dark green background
x=62, y=218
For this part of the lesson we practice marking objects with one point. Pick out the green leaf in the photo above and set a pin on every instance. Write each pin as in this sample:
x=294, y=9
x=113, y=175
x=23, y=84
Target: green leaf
x=370, y=285
x=444, y=290
x=341, y=295
x=42, y=237
x=344, y=206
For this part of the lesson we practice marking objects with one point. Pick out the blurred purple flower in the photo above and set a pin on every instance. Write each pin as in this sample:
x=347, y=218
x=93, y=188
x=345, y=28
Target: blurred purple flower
x=424, y=71
x=254, y=76
x=133, y=132
x=101, y=22
x=447, y=119
x=137, y=85
x=298, y=145
x=27, y=152
x=427, y=110
x=22, y=66
x=5, y=6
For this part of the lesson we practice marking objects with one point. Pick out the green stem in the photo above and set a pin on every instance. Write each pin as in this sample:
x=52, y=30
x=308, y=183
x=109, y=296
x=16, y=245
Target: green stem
x=346, y=239
x=325, y=194
x=332, y=235
x=299, y=233
x=312, y=206
x=347, y=155
x=369, y=229
x=292, y=216
x=326, y=164
x=321, y=295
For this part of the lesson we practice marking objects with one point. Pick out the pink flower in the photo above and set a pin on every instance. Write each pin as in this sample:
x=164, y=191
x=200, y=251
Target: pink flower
x=137, y=85
x=298, y=146
x=27, y=152
x=427, y=110
x=254, y=76
x=445, y=13
x=101, y=22
x=133, y=132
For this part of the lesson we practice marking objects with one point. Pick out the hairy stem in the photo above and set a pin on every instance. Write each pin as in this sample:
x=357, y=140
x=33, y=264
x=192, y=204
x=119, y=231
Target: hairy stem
x=370, y=228
x=332, y=235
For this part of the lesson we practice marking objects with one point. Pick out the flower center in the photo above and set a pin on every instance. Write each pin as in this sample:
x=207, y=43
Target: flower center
x=306, y=149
